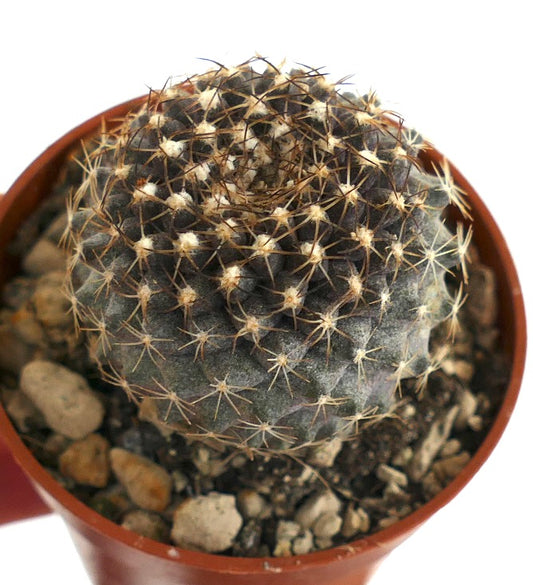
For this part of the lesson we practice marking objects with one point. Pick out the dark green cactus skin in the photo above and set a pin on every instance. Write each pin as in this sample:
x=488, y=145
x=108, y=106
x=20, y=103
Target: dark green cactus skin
x=261, y=256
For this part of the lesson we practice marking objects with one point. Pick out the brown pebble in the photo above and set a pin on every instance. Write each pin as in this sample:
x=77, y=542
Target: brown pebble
x=27, y=327
x=45, y=256
x=52, y=308
x=147, y=483
x=147, y=524
x=87, y=461
x=448, y=468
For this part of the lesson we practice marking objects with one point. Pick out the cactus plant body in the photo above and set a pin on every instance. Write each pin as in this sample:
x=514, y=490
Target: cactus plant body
x=259, y=257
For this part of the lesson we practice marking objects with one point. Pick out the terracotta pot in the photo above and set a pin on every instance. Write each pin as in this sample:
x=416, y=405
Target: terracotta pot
x=115, y=556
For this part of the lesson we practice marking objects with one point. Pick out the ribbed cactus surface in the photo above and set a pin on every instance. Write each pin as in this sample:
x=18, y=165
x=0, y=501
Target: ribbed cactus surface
x=261, y=255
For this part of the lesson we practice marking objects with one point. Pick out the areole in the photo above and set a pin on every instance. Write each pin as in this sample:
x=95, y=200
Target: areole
x=115, y=556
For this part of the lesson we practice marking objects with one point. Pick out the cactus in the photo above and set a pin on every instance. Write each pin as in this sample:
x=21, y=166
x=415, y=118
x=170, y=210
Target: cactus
x=259, y=257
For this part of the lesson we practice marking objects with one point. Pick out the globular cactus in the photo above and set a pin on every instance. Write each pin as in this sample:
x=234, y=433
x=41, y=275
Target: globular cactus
x=260, y=256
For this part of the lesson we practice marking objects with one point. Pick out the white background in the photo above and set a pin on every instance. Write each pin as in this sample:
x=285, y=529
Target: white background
x=457, y=71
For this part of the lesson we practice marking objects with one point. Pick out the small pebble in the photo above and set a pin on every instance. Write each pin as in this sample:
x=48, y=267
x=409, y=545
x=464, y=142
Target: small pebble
x=16, y=292
x=327, y=525
x=148, y=412
x=52, y=308
x=239, y=461
x=463, y=369
x=447, y=468
x=355, y=521
x=365, y=519
x=112, y=502
x=65, y=399
x=54, y=445
x=451, y=447
x=286, y=532
x=395, y=492
x=180, y=480
x=467, y=409
x=324, y=454
x=432, y=443
x=323, y=543
x=303, y=544
x=388, y=521
x=14, y=353
x=431, y=484
x=318, y=504
x=206, y=523
x=86, y=461
x=252, y=504
x=22, y=411
x=476, y=423
x=248, y=542
x=26, y=326
x=403, y=457
x=351, y=524
x=56, y=228
x=147, y=524
x=389, y=474
x=482, y=286
x=208, y=461
x=147, y=483
x=44, y=257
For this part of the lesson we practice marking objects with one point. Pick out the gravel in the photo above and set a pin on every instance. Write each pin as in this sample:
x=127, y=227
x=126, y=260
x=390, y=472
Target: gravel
x=148, y=484
x=207, y=523
x=86, y=461
x=68, y=404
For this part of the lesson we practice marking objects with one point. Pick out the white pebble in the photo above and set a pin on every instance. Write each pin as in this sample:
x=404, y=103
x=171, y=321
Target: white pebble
x=389, y=474
x=252, y=504
x=206, y=523
x=327, y=525
x=303, y=544
x=322, y=503
x=68, y=404
x=286, y=532
x=351, y=524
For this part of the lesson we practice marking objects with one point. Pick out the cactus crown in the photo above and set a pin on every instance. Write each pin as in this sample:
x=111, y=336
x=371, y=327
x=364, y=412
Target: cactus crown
x=260, y=257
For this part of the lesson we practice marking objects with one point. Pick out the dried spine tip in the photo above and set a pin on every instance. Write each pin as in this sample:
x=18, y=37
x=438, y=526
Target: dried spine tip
x=263, y=255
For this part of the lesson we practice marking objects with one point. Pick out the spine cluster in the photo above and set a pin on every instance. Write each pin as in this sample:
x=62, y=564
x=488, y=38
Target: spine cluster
x=260, y=257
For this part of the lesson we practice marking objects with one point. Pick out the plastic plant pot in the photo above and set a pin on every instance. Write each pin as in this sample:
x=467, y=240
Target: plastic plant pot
x=115, y=556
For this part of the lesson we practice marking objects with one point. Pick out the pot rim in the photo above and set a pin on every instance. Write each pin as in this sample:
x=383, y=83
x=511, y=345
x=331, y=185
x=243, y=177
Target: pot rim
x=365, y=545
